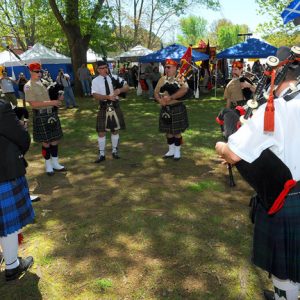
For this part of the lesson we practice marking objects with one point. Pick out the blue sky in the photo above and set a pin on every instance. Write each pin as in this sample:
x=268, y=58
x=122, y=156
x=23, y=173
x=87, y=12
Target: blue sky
x=237, y=11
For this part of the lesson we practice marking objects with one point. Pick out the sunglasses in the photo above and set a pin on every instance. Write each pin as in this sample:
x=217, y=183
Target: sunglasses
x=35, y=71
x=101, y=68
x=167, y=67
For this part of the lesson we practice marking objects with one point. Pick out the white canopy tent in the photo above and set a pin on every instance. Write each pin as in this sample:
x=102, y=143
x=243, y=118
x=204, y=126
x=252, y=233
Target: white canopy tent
x=134, y=54
x=92, y=57
x=40, y=54
x=50, y=60
x=6, y=56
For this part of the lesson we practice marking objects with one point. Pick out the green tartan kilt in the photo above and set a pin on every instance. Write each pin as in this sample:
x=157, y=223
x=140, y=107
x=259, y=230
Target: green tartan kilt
x=276, y=241
x=101, y=117
x=179, y=120
x=46, y=127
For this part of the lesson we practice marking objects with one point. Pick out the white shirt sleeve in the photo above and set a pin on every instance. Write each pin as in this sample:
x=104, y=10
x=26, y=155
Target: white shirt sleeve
x=250, y=140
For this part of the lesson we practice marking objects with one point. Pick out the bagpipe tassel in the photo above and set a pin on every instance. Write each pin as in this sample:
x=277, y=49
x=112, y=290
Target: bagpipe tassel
x=269, y=117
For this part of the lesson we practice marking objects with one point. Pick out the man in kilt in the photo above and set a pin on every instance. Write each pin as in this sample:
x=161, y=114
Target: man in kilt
x=173, y=119
x=15, y=204
x=239, y=89
x=276, y=241
x=106, y=89
x=46, y=124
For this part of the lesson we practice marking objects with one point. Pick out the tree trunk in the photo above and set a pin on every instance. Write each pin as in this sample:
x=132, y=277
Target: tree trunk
x=78, y=46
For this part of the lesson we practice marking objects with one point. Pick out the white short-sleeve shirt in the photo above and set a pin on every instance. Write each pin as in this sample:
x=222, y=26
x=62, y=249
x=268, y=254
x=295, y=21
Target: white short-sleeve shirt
x=250, y=140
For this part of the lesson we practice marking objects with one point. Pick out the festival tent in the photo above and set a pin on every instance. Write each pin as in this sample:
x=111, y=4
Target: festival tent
x=50, y=60
x=251, y=48
x=92, y=57
x=133, y=54
x=174, y=52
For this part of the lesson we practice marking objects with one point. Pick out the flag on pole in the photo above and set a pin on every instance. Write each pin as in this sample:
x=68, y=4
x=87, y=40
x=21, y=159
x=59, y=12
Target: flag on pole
x=186, y=61
x=291, y=12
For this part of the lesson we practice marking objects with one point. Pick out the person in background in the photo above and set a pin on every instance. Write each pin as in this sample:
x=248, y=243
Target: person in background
x=110, y=116
x=64, y=80
x=46, y=124
x=7, y=86
x=21, y=82
x=155, y=76
x=84, y=76
x=15, y=204
x=173, y=118
x=234, y=93
x=149, y=80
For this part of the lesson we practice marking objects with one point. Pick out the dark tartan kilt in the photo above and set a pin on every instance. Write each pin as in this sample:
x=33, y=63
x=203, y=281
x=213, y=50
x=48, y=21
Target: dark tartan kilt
x=276, y=242
x=179, y=123
x=15, y=206
x=44, y=131
x=101, y=117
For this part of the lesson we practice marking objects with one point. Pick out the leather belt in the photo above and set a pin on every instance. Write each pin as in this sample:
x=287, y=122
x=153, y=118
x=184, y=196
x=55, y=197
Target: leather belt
x=47, y=110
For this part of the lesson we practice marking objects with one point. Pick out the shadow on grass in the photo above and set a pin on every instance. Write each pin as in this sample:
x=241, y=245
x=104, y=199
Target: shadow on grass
x=141, y=227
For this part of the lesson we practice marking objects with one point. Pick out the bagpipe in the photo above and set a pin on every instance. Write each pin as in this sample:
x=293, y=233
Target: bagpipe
x=172, y=86
x=118, y=82
x=267, y=175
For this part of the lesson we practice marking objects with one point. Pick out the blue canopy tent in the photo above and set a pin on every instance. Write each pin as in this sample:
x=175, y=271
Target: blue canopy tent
x=174, y=52
x=252, y=48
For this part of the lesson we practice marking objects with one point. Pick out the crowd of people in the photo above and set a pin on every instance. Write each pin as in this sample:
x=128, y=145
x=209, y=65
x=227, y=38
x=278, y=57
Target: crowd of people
x=266, y=139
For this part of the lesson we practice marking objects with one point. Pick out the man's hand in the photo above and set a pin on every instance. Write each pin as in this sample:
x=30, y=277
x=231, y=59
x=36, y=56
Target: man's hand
x=112, y=97
x=56, y=103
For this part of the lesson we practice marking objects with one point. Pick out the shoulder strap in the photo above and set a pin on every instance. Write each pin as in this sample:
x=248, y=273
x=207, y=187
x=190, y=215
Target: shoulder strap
x=291, y=96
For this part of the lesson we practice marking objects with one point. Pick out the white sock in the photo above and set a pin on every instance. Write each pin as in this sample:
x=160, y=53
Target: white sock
x=48, y=165
x=288, y=290
x=177, y=152
x=101, y=145
x=171, y=150
x=9, y=245
x=55, y=164
x=115, y=142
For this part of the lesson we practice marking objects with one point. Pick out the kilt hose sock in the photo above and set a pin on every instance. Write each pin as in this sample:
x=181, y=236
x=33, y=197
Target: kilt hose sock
x=177, y=142
x=285, y=289
x=47, y=155
x=115, y=142
x=54, y=158
x=9, y=245
x=101, y=145
x=170, y=141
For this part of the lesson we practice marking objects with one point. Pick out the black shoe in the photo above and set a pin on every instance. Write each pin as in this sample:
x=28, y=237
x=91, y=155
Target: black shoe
x=168, y=156
x=35, y=198
x=101, y=158
x=16, y=272
x=269, y=295
x=68, y=107
x=115, y=155
x=75, y=106
x=60, y=170
x=50, y=173
x=177, y=158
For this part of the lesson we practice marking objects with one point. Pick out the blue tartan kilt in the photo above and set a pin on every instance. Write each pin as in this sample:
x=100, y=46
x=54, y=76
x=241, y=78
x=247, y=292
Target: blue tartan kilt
x=179, y=119
x=15, y=206
x=276, y=242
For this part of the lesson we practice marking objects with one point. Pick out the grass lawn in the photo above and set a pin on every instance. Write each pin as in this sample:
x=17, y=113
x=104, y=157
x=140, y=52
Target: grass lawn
x=140, y=227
